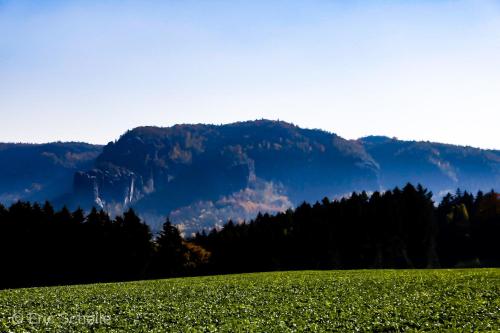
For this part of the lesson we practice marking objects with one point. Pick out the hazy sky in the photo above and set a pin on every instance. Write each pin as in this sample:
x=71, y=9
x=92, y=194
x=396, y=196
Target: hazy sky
x=89, y=70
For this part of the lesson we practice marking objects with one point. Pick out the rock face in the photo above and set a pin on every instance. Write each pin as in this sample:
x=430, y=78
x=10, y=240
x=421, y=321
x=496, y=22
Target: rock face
x=203, y=175
x=39, y=172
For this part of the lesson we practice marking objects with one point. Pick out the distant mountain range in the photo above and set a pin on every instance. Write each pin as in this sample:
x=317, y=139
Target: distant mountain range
x=38, y=172
x=202, y=175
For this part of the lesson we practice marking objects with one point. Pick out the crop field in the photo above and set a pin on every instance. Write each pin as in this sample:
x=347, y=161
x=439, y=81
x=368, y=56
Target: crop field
x=370, y=300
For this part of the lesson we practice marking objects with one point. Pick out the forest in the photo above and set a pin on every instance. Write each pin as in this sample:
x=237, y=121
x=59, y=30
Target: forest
x=399, y=228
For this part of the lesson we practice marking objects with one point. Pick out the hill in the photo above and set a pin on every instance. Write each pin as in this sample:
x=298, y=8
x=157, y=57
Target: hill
x=39, y=172
x=444, y=167
x=203, y=175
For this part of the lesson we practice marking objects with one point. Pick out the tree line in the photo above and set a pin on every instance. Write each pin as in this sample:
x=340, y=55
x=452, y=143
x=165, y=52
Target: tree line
x=41, y=246
x=400, y=228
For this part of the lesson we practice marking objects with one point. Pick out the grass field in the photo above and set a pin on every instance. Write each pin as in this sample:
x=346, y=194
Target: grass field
x=383, y=300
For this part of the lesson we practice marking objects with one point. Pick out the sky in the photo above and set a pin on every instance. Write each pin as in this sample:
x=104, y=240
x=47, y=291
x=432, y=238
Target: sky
x=90, y=70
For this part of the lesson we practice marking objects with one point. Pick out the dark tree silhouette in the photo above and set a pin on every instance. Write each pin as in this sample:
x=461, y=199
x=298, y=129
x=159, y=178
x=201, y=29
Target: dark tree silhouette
x=400, y=228
x=170, y=251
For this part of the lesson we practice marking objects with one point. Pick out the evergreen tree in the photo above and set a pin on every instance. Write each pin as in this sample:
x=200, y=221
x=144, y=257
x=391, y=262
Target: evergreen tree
x=170, y=253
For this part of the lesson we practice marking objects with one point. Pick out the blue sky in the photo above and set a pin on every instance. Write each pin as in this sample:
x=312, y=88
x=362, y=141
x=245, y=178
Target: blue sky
x=90, y=70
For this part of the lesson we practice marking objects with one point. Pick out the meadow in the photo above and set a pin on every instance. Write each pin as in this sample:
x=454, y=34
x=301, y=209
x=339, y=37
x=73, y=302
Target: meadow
x=465, y=300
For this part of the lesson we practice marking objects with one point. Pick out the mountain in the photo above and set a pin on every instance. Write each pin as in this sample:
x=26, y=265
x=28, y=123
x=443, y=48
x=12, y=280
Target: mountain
x=39, y=172
x=203, y=175
x=442, y=167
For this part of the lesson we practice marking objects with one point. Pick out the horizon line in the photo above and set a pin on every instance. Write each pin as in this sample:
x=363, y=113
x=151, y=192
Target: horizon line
x=90, y=142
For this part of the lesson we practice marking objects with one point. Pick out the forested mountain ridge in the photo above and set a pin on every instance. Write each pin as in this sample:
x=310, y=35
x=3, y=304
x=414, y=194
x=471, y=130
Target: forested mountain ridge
x=40, y=172
x=203, y=175
x=444, y=166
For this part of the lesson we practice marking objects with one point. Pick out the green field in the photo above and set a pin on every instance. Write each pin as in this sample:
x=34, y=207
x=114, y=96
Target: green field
x=382, y=300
